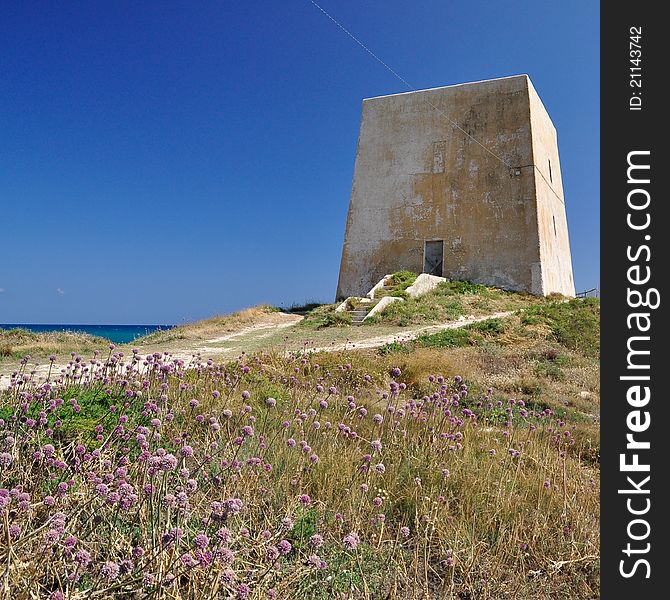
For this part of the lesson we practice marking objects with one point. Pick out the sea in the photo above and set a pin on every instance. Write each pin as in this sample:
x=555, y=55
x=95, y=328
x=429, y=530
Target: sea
x=118, y=334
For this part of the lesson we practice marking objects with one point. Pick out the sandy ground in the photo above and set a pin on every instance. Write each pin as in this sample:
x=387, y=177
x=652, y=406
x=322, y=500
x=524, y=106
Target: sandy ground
x=275, y=330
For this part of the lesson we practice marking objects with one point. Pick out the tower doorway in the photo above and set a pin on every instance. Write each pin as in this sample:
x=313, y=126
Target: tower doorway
x=433, y=257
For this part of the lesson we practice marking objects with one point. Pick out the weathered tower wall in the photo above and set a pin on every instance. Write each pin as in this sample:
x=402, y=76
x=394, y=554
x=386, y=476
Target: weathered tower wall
x=419, y=178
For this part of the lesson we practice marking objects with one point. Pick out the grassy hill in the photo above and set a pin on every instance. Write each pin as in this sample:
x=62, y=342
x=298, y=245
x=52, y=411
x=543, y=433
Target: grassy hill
x=16, y=343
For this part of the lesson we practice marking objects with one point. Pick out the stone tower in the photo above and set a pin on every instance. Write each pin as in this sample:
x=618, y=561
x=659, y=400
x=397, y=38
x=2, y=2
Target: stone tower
x=484, y=206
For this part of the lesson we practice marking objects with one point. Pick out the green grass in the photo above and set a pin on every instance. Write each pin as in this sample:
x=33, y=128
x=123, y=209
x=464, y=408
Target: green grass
x=574, y=324
x=448, y=301
x=396, y=347
x=488, y=327
x=450, y=338
x=349, y=575
x=325, y=316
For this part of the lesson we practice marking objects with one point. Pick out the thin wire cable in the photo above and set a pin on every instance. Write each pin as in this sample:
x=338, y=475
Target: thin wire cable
x=403, y=80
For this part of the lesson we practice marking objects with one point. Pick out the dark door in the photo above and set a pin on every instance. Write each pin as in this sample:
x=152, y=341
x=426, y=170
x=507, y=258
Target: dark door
x=432, y=257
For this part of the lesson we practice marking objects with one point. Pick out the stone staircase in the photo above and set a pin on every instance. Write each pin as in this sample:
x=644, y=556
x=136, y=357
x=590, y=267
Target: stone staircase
x=359, y=314
x=380, y=296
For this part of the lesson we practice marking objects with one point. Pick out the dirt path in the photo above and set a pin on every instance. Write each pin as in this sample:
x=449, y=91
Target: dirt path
x=218, y=345
x=406, y=335
x=278, y=330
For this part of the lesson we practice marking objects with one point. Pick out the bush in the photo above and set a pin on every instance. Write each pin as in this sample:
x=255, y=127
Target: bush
x=449, y=338
x=337, y=319
x=489, y=327
x=403, y=279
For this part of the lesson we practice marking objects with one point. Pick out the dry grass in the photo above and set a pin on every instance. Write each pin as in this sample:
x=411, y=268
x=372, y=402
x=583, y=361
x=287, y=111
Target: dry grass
x=208, y=328
x=496, y=484
x=524, y=360
x=498, y=505
x=17, y=343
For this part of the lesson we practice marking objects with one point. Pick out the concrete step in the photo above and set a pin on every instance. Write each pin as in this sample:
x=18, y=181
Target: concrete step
x=359, y=314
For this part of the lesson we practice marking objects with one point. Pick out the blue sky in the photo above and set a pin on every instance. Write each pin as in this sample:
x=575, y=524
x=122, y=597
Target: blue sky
x=166, y=161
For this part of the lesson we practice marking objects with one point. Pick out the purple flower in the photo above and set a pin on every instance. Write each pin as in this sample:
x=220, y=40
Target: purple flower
x=51, y=537
x=172, y=536
x=188, y=560
x=83, y=558
x=243, y=591
x=284, y=547
x=168, y=462
x=351, y=541
x=228, y=576
x=316, y=562
x=224, y=535
x=234, y=506
x=225, y=555
x=102, y=490
x=48, y=450
x=272, y=553
x=316, y=540
x=109, y=571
